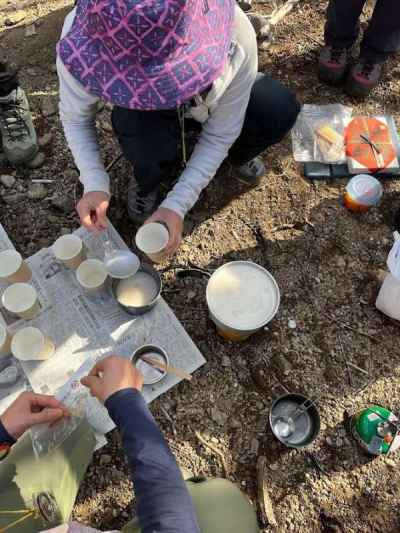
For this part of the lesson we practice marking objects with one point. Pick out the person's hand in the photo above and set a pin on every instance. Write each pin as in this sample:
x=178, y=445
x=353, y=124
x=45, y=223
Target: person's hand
x=174, y=223
x=92, y=210
x=112, y=375
x=30, y=409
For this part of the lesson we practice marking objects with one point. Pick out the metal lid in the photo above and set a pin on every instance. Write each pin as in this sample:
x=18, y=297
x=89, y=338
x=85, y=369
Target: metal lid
x=243, y=295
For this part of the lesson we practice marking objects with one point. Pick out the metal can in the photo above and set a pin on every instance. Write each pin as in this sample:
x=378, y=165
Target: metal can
x=376, y=429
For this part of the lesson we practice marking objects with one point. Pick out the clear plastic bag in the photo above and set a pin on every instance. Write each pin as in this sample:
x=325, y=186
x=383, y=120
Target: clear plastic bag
x=393, y=260
x=388, y=300
x=318, y=134
x=47, y=438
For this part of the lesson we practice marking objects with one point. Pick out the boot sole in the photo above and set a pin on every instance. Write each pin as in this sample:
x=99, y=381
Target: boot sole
x=331, y=77
x=23, y=160
x=352, y=88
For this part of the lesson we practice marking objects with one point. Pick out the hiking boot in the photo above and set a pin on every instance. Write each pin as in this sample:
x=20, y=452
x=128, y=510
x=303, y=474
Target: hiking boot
x=363, y=77
x=141, y=206
x=332, y=64
x=16, y=128
x=251, y=173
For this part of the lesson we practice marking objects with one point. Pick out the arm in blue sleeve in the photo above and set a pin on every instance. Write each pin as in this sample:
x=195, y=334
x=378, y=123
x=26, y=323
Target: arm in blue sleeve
x=5, y=437
x=163, y=502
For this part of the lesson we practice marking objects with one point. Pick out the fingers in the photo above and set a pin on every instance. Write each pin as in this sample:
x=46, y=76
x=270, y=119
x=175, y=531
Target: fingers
x=173, y=243
x=101, y=216
x=93, y=383
x=41, y=401
x=47, y=416
x=85, y=215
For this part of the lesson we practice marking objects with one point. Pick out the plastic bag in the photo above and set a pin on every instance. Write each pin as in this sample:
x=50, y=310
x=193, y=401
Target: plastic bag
x=393, y=260
x=47, y=438
x=388, y=300
x=318, y=134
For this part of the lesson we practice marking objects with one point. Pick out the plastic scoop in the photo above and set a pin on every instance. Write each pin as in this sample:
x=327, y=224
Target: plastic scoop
x=120, y=264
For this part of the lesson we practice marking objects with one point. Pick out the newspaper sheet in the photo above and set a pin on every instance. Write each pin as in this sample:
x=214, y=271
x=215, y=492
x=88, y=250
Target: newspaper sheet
x=86, y=327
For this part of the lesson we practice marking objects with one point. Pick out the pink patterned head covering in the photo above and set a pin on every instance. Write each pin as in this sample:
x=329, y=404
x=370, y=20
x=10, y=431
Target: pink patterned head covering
x=148, y=54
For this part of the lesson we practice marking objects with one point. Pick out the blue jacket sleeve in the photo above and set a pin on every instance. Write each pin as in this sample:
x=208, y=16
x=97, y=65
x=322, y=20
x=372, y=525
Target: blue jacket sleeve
x=164, y=504
x=5, y=437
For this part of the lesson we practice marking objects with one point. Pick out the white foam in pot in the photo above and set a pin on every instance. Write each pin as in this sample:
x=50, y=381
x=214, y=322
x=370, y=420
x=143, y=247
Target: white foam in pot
x=242, y=295
x=67, y=247
x=91, y=273
x=28, y=344
x=10, y=262
x=152, y=238
x=19, y=297
x=137, y=291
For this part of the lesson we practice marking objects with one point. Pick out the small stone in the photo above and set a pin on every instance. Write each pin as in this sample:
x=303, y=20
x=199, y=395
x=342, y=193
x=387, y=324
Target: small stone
x=37, y=191
x=191, y=295
x=329, y=441
x=341, y=261
x=105, y=459
x=274, y=467
x=292, y=324
x=53, y=68
x=15, y=18
x=264, y=45
x=234, y=423
x=283, y=364
x=65, y=231
x=45, y=139
x=13, y=199
x=70, y=173
x=7, y=180
x=37, y=161
x=218, y=416
x=214, y=440
x=106, y=126
x=62, y=203
x=115, y=513
x=31, y=71
x=254, y=446
x=49, y=107
x=30, y=31
x=390, y=463
x=226, y=361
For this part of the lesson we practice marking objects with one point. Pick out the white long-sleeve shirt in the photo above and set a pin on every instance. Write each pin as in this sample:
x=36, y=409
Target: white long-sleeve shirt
x=222, y=114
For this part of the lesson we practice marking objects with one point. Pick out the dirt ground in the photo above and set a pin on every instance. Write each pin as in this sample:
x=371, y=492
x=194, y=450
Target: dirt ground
x=325, y=260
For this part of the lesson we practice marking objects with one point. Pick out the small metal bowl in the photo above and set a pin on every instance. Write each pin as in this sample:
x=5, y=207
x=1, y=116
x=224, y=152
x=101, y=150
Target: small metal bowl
x=141, y=310
x=151, y=375
x=306, y=424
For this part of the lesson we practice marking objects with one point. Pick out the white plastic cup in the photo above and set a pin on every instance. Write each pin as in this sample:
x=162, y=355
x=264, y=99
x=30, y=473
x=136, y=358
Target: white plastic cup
x=5, y=341
x=152, y=239
x=91, y=274
x=30, y=344
x=13, y=268
x=21, y=299
x=69, y=249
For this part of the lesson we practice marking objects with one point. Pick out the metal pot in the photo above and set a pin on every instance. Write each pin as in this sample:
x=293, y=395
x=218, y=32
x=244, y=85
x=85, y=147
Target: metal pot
x=140, y=310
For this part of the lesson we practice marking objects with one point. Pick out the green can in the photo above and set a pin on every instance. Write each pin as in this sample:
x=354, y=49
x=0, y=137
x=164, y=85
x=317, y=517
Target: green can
x=376, y=429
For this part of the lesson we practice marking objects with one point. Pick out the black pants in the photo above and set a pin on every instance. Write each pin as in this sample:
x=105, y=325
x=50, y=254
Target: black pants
x=382, y=37
x=151, y=139
x=8, y=79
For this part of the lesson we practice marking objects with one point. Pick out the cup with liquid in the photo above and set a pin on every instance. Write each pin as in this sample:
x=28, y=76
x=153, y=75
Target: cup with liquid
x=21, y=299
x=70, y=250
x=13, y=268
x=31, y=344
x=92, y=275
x=152, y=239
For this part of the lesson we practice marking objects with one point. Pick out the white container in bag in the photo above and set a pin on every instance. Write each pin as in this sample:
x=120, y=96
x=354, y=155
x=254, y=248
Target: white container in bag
x=388, y=301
